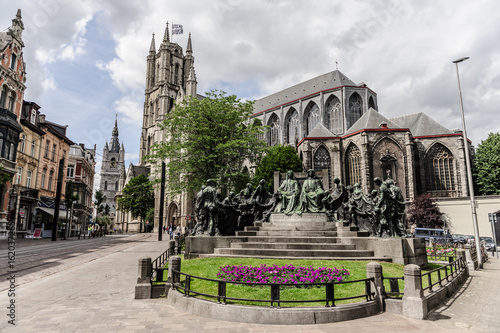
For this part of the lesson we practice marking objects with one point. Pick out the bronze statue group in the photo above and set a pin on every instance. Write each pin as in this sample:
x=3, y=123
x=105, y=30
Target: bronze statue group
x=381, y=213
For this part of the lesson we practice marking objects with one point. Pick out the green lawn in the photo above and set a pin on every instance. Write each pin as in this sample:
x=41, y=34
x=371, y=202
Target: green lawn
x=209, y=267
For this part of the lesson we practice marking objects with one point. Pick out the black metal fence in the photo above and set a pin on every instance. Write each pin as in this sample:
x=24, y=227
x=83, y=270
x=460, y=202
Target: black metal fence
x=431, y=278
x=275, y=290
x=438, y=275
x=393, y=287
x=158, y=265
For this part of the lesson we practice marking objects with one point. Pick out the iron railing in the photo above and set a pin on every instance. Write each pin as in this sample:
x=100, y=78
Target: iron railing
x=443, y=273
x=393, y=287
x=275, y=288
x=158, y=265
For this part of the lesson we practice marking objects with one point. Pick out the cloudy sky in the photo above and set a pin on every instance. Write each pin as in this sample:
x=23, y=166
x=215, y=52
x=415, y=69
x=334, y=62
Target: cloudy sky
x=86, y=59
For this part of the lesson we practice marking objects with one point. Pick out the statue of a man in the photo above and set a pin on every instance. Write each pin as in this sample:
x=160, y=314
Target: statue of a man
x=312, y=194
x=290, y=192
x=398, y=208
x=211, y=206
x=333, y=202
x=383, y=208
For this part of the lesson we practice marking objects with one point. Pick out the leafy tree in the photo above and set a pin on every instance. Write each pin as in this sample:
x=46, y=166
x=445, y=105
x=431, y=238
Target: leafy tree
x=487, y=165
x=138, y=197
x=278, y=158
x=102, y=217
x=423, y=212
x=69, y=199
x=208, y=138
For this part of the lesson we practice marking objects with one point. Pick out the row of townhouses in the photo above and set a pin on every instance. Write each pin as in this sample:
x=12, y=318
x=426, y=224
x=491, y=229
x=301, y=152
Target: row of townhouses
x=31, y=150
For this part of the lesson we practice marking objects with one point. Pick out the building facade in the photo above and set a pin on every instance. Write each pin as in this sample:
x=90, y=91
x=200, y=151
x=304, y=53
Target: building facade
x=335, y=126
x=170, y=78
x=28, y=161
x=80, y=172
x=113, y=161
x=12, y=87
x=55, y=147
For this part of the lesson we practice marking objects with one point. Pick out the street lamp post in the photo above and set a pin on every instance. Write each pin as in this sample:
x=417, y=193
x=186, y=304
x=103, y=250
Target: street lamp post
x=469, y=170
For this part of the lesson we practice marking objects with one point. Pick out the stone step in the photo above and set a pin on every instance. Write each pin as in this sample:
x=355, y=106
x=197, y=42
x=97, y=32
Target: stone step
x=289, y=224
x=278, y=239
x=293, y=246
x=304, y=218
x=295, y=253
x=311, y=233
x=370, y=258
x=297, y=228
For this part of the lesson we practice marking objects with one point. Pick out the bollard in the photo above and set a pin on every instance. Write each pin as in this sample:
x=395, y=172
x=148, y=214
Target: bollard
x=414, y=302
x=174, y=264
x=374, y=269
x=143, y=287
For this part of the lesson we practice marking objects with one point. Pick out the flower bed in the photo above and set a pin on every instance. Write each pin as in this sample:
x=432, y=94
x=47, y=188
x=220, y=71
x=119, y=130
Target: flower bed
x=281, y=274
x=438, y=252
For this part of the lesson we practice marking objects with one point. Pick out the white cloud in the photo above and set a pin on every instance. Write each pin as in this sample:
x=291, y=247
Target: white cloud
x=130, y=109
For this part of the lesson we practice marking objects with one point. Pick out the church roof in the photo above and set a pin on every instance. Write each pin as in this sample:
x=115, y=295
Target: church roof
x=320, y=131
x=323, y=82
x=371, y=120
x=421, y=125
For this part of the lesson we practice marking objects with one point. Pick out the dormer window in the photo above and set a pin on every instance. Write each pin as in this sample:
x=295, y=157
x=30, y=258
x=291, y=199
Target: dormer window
x=33, y=117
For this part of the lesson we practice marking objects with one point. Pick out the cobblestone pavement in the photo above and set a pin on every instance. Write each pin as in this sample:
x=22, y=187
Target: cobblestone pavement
x=98, y=296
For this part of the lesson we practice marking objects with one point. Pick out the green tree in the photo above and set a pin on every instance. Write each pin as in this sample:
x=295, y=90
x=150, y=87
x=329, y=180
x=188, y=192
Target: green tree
x=69, y=198
x=487, y=165
x=423, y=212
x=102, y=217
x=208, y=138
x=137, y=197
x=278, y=158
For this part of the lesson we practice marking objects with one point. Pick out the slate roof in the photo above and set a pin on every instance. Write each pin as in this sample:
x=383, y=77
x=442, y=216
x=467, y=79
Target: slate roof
x=323, y=82
x=421, y=124
x=320, y=131
x=370, y=120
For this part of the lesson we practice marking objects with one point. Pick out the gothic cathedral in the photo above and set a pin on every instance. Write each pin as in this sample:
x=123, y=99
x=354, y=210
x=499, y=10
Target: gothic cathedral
x=170, y=78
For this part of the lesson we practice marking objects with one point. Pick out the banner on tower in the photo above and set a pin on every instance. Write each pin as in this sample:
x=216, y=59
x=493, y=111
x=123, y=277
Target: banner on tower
x=177, y=29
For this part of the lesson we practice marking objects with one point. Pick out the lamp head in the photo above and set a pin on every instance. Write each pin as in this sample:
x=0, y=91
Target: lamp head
x=460, y=60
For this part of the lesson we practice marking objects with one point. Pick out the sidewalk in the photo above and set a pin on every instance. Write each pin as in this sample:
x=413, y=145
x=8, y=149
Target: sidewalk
x=98, y=296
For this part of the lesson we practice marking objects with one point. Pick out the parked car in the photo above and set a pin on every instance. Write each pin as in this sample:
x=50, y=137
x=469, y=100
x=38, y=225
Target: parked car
x=439, y=236
x=458, y=240
x=489, y=244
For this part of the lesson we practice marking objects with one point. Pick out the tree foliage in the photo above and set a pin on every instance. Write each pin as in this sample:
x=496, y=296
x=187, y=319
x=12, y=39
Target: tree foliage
x=138, y=197
x=102, y=217
x=423, y=212
x=487, y=165
x=207, y=138
x=278, y=158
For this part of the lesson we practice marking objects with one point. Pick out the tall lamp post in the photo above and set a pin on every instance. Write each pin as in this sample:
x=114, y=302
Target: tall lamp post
x=469, y=170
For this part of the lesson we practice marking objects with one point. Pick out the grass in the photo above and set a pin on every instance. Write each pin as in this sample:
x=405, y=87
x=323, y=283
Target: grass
x=209, y=267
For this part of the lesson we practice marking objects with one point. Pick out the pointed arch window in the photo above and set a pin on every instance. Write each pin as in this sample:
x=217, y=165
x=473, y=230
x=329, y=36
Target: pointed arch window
x=292, y=128
x=274, y=130
x=440, y=180
x=371, y=103
x=312, y=117
x=353, y=162
x=355, y=109
x=322, y=161
x=333, y=115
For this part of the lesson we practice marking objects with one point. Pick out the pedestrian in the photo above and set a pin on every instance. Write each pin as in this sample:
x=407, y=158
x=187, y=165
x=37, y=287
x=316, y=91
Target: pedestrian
x=171, y=231
x=178, y=230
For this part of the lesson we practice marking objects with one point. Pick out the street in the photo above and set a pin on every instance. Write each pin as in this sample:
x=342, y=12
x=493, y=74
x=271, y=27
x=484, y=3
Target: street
x=94, y=292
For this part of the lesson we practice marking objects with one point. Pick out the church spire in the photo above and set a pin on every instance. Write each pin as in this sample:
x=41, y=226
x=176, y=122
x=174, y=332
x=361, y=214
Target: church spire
x=189, y=48
x=152, y=48
x=166, y=37
x=115, y=142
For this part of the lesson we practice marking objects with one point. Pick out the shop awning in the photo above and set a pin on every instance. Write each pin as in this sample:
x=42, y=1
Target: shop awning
x=62, y=213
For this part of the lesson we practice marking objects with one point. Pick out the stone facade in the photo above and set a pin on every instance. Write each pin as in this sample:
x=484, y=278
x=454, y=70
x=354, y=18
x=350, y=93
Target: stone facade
x=334, y=125
x=170, y=78
x=12, y=87
x=113, y=163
